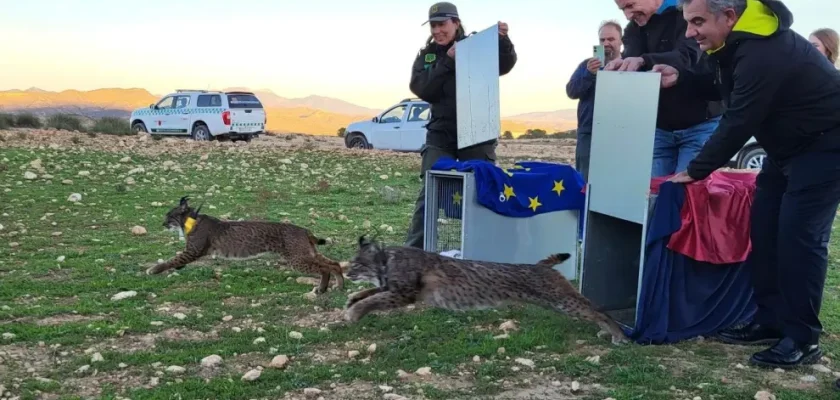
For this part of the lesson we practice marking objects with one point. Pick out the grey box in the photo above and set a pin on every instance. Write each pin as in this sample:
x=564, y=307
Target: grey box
x=482, y=234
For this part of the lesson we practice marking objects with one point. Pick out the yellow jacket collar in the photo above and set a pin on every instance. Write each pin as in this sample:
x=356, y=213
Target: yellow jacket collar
x=758, y=19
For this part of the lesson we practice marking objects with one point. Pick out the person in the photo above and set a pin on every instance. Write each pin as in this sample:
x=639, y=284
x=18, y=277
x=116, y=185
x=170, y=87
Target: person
x=827, y=42
x=779, y=89
x=656, y=35
x=433, y=80
x=581, y=87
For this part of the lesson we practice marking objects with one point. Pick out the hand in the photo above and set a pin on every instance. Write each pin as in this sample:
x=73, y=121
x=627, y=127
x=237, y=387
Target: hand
x=614, y=65
x=681, y=177
x=593, y=65
x=631, y=64
x=451, y=51
x=670, y=75
x=503, y=28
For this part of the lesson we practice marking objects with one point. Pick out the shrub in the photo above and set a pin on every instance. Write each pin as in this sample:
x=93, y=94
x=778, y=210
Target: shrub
x=112, y=126
x=507, y=135
x=65, y=122
x=7, y=121
x=28, y=120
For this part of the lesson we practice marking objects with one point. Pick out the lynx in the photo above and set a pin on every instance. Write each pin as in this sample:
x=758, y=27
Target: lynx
x=405, y=275
x=207, y=235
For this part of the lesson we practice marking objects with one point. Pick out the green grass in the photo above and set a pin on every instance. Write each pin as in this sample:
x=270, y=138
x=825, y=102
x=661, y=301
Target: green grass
x=58, y=310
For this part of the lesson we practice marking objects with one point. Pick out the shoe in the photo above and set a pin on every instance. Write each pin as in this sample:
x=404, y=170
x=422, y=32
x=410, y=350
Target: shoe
x=787, y=354
x=750, y=334
x=837, y=384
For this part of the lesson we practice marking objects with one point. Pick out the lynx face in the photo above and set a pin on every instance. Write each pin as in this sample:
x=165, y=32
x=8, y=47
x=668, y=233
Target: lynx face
x=174, y=219
x=369, y=263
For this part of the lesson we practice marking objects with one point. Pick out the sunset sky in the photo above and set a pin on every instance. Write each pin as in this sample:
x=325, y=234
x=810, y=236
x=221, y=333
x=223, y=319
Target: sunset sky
x=360, y=51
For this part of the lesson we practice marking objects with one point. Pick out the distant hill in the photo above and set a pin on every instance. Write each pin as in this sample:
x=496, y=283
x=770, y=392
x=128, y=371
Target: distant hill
x=314, y=114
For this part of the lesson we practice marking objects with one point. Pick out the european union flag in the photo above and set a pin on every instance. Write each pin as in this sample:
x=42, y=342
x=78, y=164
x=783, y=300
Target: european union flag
x=527, y=189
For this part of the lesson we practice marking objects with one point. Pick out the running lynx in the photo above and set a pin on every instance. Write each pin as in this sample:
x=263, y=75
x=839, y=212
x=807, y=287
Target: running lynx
x=405, y=275
x=207, y=235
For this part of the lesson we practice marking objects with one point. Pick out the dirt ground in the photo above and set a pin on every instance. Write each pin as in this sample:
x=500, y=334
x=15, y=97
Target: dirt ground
x=561, y=150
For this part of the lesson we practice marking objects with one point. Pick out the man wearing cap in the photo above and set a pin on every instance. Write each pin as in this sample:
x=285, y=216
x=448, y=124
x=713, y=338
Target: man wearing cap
x=433, y=80
x=685, y=121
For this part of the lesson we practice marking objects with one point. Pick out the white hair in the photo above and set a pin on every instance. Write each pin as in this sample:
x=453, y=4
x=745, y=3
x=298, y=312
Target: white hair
x=717, y=7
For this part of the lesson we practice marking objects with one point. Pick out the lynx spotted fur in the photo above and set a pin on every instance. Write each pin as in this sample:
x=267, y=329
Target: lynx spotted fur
x=405, y=275
x=209, y=236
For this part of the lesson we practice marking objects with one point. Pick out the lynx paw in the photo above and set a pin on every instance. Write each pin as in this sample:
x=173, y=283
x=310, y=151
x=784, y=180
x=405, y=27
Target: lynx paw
x=154, y=270
x=619, y=340
x=351, y=315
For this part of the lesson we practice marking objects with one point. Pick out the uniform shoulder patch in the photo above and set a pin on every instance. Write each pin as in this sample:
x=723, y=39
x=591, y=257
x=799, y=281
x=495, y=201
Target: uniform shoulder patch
x=431, y=57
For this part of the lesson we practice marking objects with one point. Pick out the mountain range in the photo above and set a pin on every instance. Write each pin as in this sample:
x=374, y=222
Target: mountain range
x=316, y=115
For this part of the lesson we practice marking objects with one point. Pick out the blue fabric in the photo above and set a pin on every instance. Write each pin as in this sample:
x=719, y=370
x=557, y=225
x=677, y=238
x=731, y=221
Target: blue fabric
x=682, y=298
x=537, y=187
x=581, y=87
x=674, y=150
x=666, y=4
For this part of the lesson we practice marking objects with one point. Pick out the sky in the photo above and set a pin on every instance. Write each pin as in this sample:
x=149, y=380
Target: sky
x=360, y=51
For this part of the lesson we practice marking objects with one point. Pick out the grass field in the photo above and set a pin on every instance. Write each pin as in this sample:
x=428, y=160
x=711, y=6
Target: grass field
x=64, y=337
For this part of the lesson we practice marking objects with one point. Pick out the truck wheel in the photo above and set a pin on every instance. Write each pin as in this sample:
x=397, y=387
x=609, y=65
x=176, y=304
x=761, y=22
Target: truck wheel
x=200, y=132
x=139, y=127
x=357, y=141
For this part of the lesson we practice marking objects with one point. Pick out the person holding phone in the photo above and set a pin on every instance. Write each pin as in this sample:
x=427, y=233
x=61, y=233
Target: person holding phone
x=433, y=80
x=581, y=87
x=685, y=121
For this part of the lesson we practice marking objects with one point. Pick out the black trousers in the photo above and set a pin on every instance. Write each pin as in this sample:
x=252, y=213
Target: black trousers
x=430, y=154
x=791, y=218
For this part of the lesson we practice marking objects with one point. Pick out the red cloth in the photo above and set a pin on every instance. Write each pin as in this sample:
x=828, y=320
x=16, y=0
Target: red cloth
x=715, y=218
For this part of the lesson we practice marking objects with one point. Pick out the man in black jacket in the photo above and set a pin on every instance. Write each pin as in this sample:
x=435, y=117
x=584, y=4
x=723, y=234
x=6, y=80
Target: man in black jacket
x=656, y=35
x=780, y=89
x=433, y=80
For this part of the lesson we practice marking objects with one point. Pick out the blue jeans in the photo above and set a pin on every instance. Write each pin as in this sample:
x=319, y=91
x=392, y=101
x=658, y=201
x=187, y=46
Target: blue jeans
x=673, y=150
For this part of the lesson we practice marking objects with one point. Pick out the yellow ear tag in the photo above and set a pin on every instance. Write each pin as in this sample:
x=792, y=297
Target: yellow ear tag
x=188, y=225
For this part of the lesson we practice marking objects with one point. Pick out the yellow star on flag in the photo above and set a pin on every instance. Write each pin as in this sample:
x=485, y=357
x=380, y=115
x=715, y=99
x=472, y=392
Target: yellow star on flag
x=535, y=202
x=507, y=172
x=456, y=198
x=508, y=192
x=558, y=187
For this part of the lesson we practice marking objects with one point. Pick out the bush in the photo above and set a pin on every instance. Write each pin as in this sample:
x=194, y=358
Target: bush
x=7, y=121
x=28, y=120
x=112, y=126
x=65, y=122
x=341, y=132
x=507, y=135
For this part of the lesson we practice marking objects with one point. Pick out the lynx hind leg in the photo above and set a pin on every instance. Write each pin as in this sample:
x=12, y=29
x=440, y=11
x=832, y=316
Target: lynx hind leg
x=580, y=307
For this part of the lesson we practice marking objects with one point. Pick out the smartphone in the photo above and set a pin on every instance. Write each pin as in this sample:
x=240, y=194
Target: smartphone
x=598, y=52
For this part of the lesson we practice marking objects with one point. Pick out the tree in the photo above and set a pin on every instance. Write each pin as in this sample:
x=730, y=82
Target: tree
x=341, y=131
x=507, y=135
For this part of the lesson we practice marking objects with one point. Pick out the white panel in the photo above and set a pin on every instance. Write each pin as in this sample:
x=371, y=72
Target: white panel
x=623, y=130
x=477, y=87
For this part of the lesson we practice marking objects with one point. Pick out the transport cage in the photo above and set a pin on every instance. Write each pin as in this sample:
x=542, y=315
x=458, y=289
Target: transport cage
x=458, y=226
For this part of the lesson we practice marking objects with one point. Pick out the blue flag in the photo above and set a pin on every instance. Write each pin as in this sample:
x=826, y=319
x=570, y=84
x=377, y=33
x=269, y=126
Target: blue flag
x=527, y=189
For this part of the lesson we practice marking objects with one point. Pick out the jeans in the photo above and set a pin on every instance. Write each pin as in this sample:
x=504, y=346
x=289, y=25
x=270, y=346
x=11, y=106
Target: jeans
x=674, y=150
x=582, y=150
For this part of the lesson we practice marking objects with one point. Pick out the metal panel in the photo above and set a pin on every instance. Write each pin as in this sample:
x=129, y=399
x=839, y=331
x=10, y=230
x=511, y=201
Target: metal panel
x=486, y=235
x=623, y=129
x=477, y=87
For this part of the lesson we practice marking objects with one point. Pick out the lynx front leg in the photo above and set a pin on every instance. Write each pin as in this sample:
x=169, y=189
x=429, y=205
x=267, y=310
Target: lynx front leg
x=381, y=301
x=581, y=308
x=180, y=261
x=359, y=296
x=325, y=282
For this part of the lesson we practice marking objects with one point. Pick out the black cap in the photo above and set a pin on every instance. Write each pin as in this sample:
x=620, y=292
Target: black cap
x=441, y=12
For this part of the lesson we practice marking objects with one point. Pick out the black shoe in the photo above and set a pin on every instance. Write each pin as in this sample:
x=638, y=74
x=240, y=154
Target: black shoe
x=750, y=334
x=837, y=384
x=787, y=354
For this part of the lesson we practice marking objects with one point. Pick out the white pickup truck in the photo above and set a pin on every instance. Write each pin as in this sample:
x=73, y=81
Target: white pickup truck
x=203, y=115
